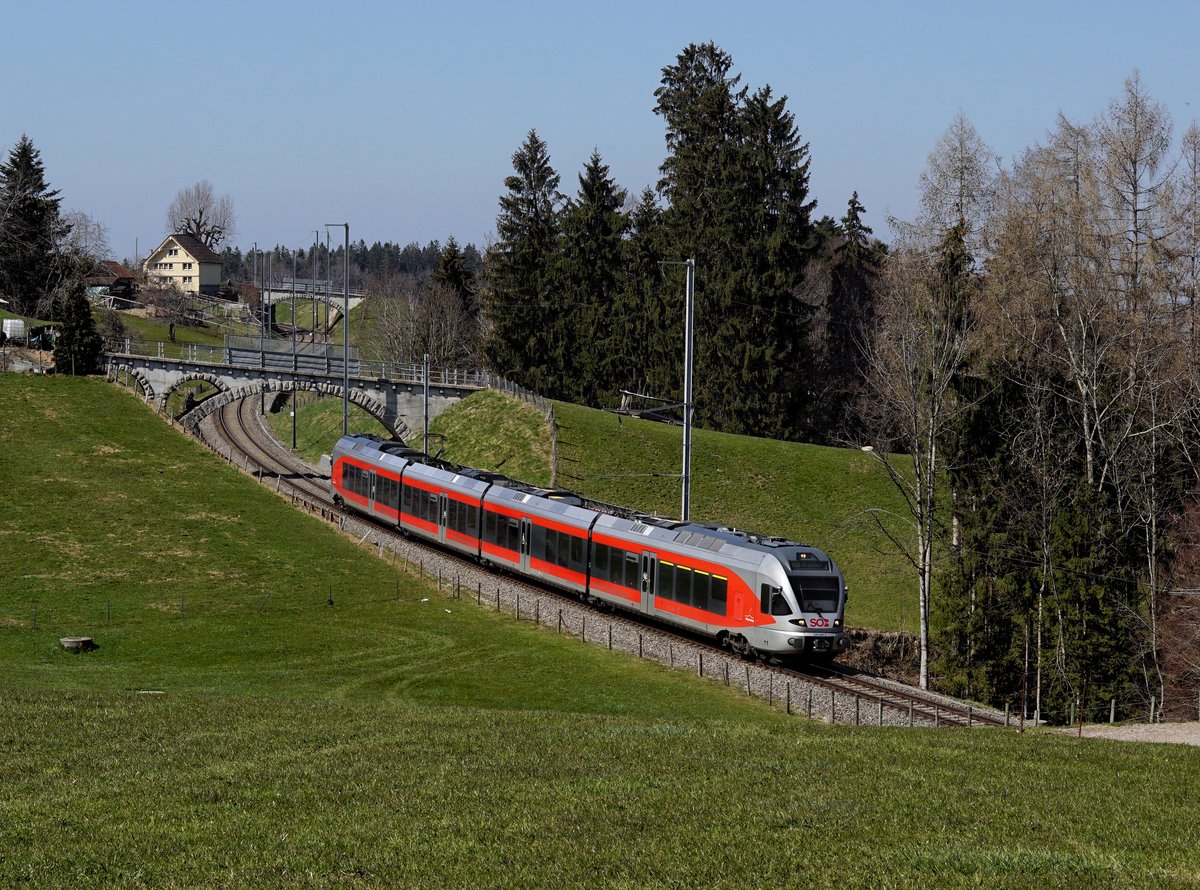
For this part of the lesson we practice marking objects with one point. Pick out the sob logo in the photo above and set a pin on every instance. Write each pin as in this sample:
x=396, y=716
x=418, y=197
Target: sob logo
x=818, y=622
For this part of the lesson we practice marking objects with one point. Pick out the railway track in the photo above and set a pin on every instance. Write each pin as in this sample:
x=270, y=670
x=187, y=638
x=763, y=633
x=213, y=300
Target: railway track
x=836, y=693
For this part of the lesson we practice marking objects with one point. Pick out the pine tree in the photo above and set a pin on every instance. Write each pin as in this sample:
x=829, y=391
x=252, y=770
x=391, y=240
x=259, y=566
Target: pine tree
x=30, y=230
x=736, y=178
x=518, y=302
x=589, y=278
x=646, y=342
x=850, y=316
x=78, y=345
x=451, y=272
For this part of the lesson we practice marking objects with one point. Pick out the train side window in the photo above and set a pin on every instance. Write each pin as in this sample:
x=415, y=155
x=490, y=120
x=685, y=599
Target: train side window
x=551, y=550
x=472, y=523
x=406, y=498
x=600, y=562
x=489, y=527
x=431, y=508
x=683, y=585
x=666, y=580
x=717, y=593
x=577, y=553
x=700, y=589
x=514, y=535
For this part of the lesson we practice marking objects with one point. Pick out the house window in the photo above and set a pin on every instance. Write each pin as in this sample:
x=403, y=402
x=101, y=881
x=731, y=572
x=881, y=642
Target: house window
x=187, y=266
x=173, y=252
x=187, y=279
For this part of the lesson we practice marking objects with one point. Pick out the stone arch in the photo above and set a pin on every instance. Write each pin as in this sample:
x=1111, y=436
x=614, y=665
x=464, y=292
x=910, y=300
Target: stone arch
x=219, y=382
x=138, y=375
x=193, y=418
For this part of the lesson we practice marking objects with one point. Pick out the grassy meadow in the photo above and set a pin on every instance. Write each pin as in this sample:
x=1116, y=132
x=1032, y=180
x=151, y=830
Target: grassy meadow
x=236, y=729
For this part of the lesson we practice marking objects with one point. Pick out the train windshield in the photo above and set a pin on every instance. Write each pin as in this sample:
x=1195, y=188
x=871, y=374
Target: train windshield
x=819, y=593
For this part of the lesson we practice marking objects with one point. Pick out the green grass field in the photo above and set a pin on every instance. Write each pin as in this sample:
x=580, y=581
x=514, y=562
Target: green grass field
x=383, y=740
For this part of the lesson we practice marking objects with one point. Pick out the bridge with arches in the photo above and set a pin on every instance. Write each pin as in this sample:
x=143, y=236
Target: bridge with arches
x=391, y=393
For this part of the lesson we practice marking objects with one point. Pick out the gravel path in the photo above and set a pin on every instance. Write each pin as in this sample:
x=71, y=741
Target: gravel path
x=1172, y=733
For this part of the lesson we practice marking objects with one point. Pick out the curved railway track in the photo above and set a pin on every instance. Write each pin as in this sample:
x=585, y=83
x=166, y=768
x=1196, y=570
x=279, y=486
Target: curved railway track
x=849, y=696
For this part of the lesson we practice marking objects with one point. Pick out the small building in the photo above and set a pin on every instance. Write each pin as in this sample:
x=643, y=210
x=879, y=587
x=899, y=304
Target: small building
x=184, y=262
x=111, y=284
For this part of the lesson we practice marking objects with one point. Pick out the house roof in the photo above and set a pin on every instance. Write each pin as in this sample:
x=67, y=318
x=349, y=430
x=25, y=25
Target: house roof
x=200, y=252
x=110, y=269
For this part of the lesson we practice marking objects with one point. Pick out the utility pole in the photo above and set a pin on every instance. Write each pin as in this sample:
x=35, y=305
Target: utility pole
x=425, y=424
x=294, y=325
x=345, y=327
x=688, y=321
x=688, y=358
x=316, y=272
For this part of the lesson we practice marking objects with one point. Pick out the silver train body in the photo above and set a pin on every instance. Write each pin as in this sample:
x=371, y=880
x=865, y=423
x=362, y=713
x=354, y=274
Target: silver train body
x=751, y=592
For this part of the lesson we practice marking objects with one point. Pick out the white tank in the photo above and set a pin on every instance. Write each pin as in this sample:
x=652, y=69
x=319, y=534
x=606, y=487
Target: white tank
x=14, y=328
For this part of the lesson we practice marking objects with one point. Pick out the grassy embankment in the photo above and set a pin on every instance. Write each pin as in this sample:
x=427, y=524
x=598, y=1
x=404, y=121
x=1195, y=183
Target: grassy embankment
x=386, y=740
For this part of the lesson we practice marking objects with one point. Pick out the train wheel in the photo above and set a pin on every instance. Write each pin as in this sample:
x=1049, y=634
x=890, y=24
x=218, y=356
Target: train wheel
x=740, y=646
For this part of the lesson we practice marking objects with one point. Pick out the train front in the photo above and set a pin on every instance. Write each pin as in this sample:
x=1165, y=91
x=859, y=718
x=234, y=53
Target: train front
x=806, y=597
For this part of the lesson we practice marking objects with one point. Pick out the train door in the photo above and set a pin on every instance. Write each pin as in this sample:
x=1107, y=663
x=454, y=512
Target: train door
x=443, y=516
x=649, y=580
x=526, y=541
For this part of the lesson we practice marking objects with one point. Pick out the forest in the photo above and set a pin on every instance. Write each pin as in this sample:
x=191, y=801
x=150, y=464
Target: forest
x=1021, y=358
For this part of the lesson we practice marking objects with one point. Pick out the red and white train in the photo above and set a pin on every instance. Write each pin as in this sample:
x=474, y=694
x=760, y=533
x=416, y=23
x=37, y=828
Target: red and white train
x=751, y=592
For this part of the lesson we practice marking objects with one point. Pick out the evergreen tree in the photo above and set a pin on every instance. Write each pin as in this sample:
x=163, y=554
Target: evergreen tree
x=850, y=315
x=645, y=346
x=736, y=178
x=30, y=229
x=451, y=272
x=589, y=279
x=78, y=345
x=518, y=301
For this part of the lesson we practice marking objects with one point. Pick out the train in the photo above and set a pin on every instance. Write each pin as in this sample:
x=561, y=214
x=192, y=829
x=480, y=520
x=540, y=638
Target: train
x=757, y=595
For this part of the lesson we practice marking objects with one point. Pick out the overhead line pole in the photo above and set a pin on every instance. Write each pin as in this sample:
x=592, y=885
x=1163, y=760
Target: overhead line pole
x=688, y=360
x=345, y=327
x=689, y=317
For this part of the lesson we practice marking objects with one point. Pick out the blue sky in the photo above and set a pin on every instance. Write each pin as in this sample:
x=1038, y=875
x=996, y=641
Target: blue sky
x=402, y=118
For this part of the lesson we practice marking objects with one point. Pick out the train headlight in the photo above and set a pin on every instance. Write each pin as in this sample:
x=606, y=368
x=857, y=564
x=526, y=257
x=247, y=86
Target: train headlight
x=799, y=622
x=837, y=622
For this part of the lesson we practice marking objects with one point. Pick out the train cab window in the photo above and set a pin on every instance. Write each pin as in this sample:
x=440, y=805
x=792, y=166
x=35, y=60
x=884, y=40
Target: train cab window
x=773, y=602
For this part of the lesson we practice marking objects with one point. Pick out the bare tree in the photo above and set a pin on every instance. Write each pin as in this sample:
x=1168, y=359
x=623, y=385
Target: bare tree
x=417, y=320
x=921, y=346
x=196, y=210
x=958, y=188
x=171, y=304
x=87, y=239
